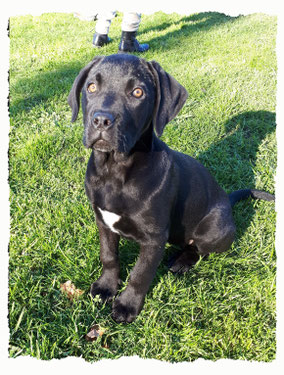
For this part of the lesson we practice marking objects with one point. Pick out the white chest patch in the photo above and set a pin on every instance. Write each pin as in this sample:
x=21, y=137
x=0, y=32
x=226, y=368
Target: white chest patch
x=110, y=219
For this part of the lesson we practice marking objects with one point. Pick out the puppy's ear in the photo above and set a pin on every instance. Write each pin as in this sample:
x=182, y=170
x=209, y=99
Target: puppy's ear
x=74, y=95
x=170, y=97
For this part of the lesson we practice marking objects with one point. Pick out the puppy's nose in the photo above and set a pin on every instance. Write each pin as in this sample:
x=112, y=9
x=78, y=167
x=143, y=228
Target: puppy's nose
x=102, y=120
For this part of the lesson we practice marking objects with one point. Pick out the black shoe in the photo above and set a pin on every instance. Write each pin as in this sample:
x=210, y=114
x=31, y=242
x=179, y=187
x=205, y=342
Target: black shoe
x=100, y=40
x=129, y=43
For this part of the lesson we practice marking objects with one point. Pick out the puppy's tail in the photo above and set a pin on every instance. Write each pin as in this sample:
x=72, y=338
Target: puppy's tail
x=238, y=195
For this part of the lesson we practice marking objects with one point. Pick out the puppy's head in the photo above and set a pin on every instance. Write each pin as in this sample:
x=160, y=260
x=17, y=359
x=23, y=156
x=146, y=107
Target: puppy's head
x=122, y=95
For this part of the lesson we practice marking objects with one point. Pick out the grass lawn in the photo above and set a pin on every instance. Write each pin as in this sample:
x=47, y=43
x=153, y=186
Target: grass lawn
x=225, y=306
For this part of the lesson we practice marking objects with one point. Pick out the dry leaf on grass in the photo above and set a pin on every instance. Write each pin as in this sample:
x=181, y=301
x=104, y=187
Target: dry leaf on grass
x=95, y=332
x=70, y=290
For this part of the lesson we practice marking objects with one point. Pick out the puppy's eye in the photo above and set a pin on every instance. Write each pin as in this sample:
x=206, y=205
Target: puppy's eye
x=137, y=92
x=92, y=87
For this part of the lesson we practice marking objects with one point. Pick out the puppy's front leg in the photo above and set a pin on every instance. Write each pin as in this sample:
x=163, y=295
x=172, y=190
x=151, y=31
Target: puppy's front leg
x=127, y=306
x=107, y=284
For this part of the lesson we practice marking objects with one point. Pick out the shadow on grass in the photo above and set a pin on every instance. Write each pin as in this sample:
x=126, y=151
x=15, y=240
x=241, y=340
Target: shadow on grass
x=44, y=86
x=200, y=22
x=231, y=160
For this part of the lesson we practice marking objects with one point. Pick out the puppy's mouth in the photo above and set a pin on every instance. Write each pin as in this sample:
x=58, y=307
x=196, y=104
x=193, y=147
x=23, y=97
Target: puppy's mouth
x=101, y=145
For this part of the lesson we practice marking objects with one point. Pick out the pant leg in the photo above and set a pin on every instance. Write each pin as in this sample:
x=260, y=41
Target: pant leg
x=104, y=21
x=131, y=21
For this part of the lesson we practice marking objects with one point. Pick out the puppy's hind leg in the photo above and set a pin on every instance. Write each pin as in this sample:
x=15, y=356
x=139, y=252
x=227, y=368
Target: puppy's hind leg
x=215, y=232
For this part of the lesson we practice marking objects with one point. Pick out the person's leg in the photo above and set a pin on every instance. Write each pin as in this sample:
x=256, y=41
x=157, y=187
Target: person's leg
x=102, y=28
x=131, y=21
x=129, y=27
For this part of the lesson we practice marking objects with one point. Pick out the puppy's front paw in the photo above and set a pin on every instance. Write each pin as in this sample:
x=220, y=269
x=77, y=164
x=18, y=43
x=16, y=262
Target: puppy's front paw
x=106, y=293
x=123, y=313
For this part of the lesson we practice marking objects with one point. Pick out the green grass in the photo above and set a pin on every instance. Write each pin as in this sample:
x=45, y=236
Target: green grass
x=225, y=306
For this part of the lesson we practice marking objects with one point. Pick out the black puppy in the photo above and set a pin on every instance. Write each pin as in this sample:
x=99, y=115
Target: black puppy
x=138, y=187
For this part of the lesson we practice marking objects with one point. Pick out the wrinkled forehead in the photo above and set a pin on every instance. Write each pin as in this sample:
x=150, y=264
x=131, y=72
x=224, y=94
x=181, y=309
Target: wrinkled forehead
x=122, y=67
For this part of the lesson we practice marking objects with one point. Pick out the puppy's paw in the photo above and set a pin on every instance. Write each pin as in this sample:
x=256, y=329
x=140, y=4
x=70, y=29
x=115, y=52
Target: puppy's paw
x=105, y=293
x=123, y=313
x=182, y=262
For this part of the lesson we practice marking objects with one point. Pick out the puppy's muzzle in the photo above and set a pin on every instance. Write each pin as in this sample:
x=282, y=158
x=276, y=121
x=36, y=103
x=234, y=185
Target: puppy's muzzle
x=103, y=121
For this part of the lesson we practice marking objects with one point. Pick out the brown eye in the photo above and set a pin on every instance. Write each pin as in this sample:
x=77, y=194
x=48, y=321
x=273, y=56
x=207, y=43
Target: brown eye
x=137, y=92
x=92, y=87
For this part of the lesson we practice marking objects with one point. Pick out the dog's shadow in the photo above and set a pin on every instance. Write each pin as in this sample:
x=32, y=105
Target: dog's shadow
x=231, y=161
